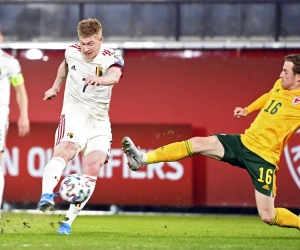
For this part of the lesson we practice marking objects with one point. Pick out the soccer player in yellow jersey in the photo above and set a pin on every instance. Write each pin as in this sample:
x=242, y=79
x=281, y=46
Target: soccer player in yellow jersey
x=258, y=150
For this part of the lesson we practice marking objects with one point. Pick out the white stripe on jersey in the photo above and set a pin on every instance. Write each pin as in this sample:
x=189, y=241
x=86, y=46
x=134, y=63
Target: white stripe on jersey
x=94, y=102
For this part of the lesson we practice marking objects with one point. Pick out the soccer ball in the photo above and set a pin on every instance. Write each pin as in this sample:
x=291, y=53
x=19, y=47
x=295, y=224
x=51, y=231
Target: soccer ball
x=75, y=188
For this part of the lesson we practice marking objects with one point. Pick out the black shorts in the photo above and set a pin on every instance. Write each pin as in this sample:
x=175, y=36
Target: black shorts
x=261, y=171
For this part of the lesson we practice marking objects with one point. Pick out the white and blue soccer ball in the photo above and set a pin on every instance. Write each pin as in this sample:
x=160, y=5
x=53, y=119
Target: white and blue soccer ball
x=75, y=188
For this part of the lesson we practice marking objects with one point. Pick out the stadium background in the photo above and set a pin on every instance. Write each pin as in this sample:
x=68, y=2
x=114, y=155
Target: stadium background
x=182, y=78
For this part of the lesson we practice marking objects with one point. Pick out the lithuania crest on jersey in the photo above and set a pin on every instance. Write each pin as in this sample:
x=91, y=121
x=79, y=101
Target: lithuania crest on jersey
x=292, y=156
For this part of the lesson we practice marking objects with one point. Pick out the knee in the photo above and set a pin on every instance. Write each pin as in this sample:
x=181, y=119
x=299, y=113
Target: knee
x=65, y=151
x=62, y=154
x=92, y=168
x=209, y=146
x=197, y=143
x=267, y=217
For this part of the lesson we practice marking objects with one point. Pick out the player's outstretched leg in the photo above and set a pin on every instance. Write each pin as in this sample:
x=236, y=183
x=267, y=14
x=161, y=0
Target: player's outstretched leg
x=46, y=202
x=134, y=155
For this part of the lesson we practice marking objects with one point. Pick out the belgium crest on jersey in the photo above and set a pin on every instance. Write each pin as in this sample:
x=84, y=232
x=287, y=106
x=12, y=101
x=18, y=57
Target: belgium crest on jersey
x=99, y=71
x=292, y=157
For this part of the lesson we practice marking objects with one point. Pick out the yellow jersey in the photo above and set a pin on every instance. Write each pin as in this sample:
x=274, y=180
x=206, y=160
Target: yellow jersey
x=277, y=121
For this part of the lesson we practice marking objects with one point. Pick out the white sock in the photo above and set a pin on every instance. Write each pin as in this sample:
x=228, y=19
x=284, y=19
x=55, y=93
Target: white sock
x=52, y=174
x=75, y=209
x=1, y=187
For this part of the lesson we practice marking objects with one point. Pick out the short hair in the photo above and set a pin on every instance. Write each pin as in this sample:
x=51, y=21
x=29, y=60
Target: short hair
x=295, y=59
x=89, y=27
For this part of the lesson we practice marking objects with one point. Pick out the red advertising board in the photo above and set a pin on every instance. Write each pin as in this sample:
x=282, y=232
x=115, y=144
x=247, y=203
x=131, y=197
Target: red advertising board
x=158, y=184
x=184, y=183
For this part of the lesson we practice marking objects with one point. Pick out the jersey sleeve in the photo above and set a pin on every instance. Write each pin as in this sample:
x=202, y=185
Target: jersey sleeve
x=259, y=103
x=71, y=50
x=15, y=76
x=67, y=55
x=116, y=61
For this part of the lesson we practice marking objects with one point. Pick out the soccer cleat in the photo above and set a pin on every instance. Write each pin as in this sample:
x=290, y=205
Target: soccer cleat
x=46, y=202
x=64, y=228
x=134, y=155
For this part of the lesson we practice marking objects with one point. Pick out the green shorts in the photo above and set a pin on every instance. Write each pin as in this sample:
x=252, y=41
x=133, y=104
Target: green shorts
x=261, y=171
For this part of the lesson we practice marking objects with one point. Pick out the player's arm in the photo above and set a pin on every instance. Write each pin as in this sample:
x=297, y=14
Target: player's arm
x=61, y=76
x=258, y=104
x=112, y=77
x=22, y=101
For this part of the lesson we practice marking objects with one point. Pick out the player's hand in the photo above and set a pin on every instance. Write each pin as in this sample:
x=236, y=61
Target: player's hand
x=23, y=126
x=240, y=112
x=50, y=94
x=92, y=80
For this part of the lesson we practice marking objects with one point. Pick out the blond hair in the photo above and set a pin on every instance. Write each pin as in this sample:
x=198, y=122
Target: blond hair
x=89, y=27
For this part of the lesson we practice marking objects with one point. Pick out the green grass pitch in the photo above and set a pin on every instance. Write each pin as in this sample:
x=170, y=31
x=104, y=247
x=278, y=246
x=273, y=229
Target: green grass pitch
x=38, y=231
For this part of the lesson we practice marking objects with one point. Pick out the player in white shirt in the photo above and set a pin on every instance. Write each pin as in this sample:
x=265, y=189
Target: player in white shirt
x=90, y=71
x=10, y=74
